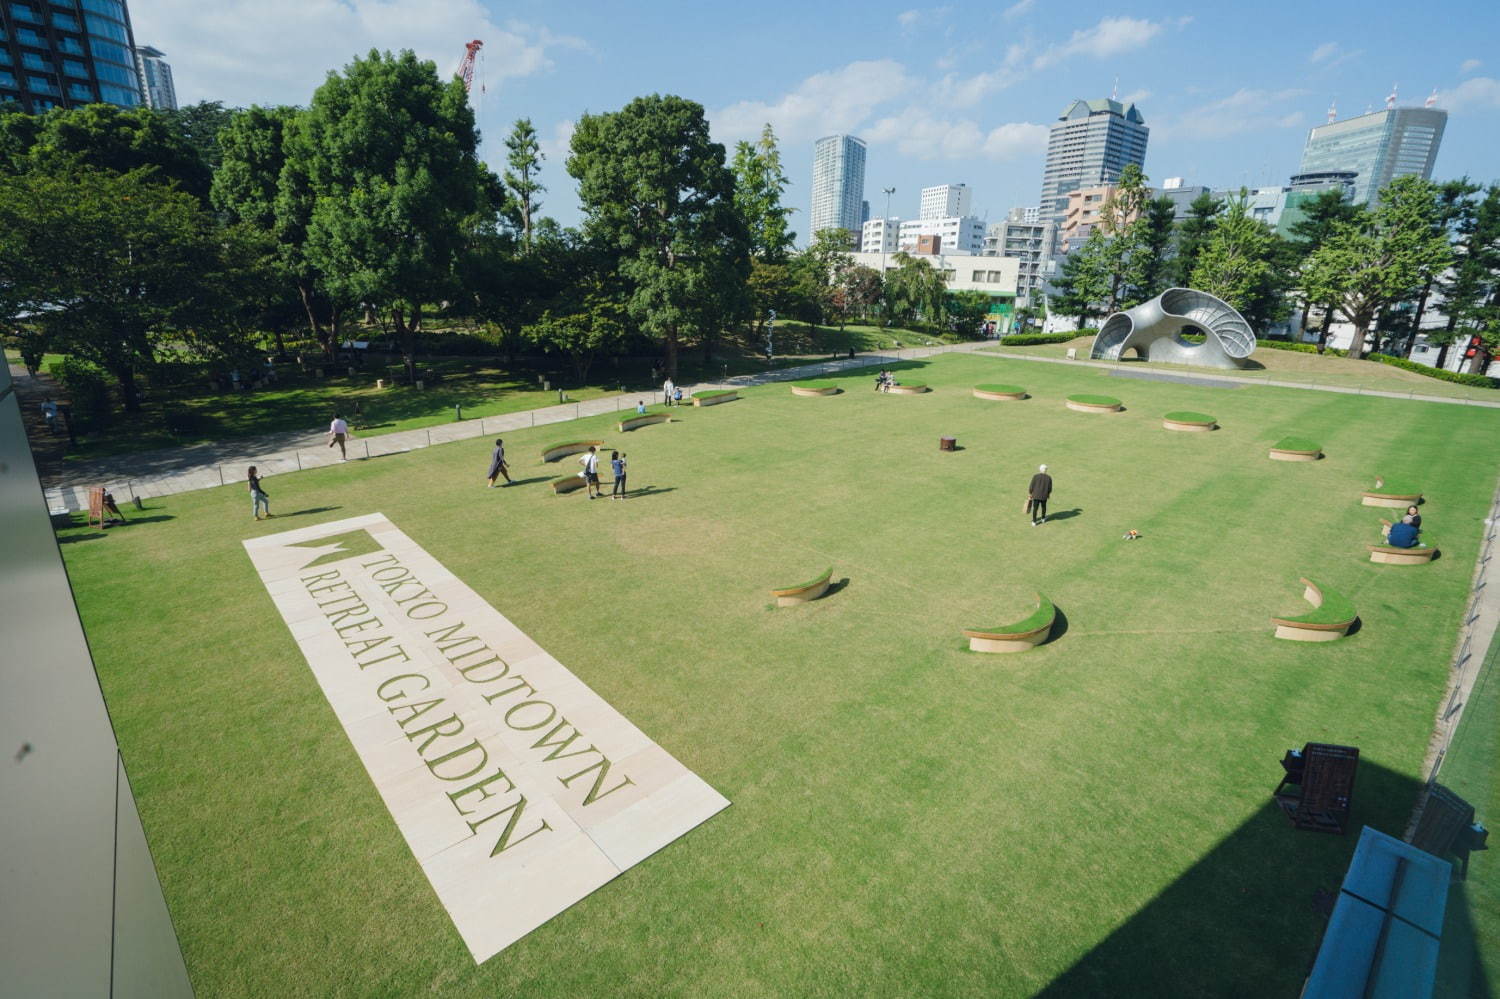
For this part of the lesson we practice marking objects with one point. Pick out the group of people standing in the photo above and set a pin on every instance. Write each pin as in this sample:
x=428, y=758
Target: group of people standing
x=671, y=394
x=617, y=467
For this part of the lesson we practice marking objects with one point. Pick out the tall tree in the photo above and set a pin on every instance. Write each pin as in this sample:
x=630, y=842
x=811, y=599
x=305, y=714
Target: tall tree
x=1471, y=290
x=1119, y=219
x=1320, y=217
x=117, y=268
x=1455, y=207
x=821, y=268
x=524, y=161
x=655, y=190
x=199, y=125
x=1237, y=264
x=1148, y=264
x=1192, y=234
x=105, y=137
x=1365, y=269
x=1082, y=286
x=389, y=154
x=759, y=182
x=914, y=290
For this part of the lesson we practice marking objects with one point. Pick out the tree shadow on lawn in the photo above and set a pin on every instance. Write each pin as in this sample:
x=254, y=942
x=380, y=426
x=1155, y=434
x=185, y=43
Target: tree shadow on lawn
x=1246, y=918
x=68, y=539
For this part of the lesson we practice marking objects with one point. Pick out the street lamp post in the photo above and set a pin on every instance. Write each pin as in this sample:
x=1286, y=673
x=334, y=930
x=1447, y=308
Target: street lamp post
x=885, y=224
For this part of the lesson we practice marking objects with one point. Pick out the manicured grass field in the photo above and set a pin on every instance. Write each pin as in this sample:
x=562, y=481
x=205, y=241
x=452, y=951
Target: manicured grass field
x=1089, y=818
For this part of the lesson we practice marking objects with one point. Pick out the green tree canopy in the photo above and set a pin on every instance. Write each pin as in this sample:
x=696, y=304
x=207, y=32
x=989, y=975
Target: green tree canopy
x=523, y=162
x=759, y=182
x=655, y=190
x=103, y=137
x=1239, y=264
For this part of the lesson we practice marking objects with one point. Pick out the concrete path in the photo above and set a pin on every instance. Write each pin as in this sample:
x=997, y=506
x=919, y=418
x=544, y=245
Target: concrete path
x=204, y=466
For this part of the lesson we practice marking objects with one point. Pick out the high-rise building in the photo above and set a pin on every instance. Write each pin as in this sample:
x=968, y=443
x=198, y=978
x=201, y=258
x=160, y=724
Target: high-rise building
x=1378, y=146
x=959, y=234
x=1029, y=240
x=1091, y=142
x=62, y=53
x=879, y=235
x=1085, y=213
x=838, y=183
x=945, y=201
x=156, y=78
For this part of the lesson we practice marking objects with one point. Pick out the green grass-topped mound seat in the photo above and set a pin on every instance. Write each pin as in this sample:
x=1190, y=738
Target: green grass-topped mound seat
x=567, y=484
x=1000, y=393
x=1027, y=633
x=1329, y=620
x=1296, y=449
x=1095, y=403
x=814, y=388
x=1388, y=554
x=712, y=397
x=643, y=420
x=556, y=452
x=910, y=388
x=1399, y=495
x=786, y=596
x=1186, y=419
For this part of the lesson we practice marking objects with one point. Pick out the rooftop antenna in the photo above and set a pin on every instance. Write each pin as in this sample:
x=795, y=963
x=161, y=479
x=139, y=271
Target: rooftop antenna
x=1114, y=94
x=1431, y=99
x=1333, y=111
x=1390, y=98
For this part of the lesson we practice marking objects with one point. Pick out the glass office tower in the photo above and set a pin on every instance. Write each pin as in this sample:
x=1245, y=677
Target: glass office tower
x=1377, y=146
x=838, y=187
x=63, y=53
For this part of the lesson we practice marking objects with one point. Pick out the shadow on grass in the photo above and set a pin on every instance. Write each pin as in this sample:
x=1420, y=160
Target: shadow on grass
x=309, y=510
x=833, y=588
x=155, y=519
x=68, y=539
x=1245, y=919
x=1355, y=628
x=1460, y=970
x=529, y=482
x=1059, y=626
x=652, y=491
x=1065, y=514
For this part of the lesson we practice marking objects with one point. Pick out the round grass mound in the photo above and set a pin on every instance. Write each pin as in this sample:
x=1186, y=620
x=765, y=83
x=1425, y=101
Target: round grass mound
x=1095, y=400
x=815, y=386
x=1297, y=444
x=714, y=393
x=1335, y=608
x=1045, y=612
x=1001, y=389
x=1188, y=416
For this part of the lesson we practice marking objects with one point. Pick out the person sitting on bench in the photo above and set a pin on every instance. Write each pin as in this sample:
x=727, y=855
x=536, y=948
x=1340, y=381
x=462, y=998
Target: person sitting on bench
x=1404, y=534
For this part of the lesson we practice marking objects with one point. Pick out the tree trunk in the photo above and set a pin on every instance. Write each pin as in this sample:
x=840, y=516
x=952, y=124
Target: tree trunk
x=320, y=333
x=1416, y=319
x=671, y=344
x=129, y=392
x=406, y=337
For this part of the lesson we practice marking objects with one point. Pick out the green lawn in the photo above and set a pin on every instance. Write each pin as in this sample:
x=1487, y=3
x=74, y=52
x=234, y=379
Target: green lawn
x=909, y=818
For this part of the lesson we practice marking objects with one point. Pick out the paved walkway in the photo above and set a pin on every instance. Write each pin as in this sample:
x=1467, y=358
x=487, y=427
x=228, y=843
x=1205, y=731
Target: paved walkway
x=204, y=466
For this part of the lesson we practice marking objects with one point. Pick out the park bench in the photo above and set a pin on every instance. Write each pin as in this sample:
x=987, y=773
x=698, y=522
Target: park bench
x=815, y=388
x=1329, y=620
x=1094, y=403
x=643, y=420
x=1024, y=634
x=557, y=452
x=714, y=397
x=1000, y=393
x=1317, y=786
x=1392, y=497
x=567, y=484
x=1296, y=449
x=1391, y=555
x=911, y=388
x=1189, y=422
x=802, y=593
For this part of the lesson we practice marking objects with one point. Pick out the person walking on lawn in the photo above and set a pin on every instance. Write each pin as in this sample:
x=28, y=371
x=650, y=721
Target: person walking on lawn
x=1037, y=494
x=591, y=472
x=617, y=467
x=666, y=392
x=338, y=431
x=498, y=467
x=258, y=499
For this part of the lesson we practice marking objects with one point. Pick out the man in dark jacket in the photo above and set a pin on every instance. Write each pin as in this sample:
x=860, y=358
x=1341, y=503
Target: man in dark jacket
x=1037, y=494
x=1403, y=534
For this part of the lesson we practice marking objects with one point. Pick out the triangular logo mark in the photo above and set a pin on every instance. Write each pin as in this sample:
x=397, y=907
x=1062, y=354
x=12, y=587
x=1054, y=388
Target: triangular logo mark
x=350, y=544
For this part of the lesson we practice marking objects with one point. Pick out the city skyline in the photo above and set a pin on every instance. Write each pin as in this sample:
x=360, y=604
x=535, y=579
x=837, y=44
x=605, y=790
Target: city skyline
x=962, y=93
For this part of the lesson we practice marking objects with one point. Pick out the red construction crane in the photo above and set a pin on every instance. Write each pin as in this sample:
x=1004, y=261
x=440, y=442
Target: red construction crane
x=466, y=67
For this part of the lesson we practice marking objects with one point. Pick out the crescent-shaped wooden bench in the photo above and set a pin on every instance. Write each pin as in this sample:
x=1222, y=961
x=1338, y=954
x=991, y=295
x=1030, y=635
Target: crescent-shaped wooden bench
x=1027, y=633
x=1389, y=554
x=801, y=594
x=714, y=397
x=559, y=451
x=911, y=388
x=1000, y=393
x=1330, y=619
x=1397, y=497
x=1189, y=422
x=1296, y=449
x=1094, y=403
x=643, y=420
x=567, y=484
x=815, y=388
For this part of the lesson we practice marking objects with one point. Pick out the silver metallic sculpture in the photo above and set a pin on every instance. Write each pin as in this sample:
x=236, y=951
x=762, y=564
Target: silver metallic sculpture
x=1154, y=331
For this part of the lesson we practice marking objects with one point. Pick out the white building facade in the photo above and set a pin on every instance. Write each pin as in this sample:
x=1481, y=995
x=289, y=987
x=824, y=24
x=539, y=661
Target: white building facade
x=879, y=235
x=1031, y=242
x=945, y=201
x=958, y=233
x=838, y=184
x=156, y=78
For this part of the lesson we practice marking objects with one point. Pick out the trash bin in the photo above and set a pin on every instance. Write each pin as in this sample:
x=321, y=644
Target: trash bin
x=947, y=444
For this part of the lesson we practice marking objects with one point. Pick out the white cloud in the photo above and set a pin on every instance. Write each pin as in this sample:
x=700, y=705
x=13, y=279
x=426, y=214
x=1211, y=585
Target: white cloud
x=1015, y=10
x=1245, y=110
x=1478, y=93
x=908, y=19
x=1111, y=36
x=967, y=89
x=916, y=132
x=279, y=51
x=557, y=145
x=1325, y=51
x=1135, y=96
x=1469, y=65
x=839, y=100
x=912, y=19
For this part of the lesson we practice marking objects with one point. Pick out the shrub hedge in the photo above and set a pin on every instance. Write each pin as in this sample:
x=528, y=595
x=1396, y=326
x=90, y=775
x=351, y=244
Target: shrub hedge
x=1030, y=339
x=1457, y=377
x=1299, y=348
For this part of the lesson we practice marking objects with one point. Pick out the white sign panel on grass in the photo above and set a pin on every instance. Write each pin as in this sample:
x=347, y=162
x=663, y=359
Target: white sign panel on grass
x=518, y=789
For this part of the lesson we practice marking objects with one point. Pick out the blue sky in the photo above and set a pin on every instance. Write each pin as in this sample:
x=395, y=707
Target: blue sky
x=959, y=92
